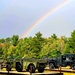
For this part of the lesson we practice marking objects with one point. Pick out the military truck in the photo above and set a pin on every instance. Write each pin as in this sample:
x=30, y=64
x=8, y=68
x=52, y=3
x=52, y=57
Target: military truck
x=63, y=61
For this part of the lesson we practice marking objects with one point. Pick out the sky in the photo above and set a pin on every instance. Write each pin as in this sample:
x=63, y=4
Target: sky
x=27, y=17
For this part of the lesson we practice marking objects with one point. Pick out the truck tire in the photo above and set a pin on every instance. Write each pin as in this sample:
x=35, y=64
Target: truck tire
x=8, y=66
x=18, y=67
x=51, y=66
x=73, y=67
x=31, y=68
x=41, y=67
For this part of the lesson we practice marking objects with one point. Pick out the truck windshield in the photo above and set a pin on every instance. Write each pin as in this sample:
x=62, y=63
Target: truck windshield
x=68, y=59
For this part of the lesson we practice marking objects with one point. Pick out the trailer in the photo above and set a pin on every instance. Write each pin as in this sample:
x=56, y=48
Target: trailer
x=25, y=64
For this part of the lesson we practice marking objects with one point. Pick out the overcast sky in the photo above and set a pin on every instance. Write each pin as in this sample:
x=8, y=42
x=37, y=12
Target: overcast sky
x=17, y=16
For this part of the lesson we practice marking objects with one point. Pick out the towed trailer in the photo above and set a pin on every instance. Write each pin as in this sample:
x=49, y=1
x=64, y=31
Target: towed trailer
x=26, y=64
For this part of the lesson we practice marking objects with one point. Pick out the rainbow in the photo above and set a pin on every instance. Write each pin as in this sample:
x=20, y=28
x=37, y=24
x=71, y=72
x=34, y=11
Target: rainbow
x=32, y=27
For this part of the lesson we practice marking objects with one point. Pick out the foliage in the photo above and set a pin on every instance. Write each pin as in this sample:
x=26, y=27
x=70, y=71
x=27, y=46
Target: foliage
x=72, y=41
x=37, y=46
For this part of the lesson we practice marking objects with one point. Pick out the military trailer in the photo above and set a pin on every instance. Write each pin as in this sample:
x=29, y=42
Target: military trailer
x=26, y=64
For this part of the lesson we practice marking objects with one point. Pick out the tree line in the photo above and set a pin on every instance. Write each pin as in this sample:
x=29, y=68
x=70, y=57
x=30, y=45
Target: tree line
x=36, y=46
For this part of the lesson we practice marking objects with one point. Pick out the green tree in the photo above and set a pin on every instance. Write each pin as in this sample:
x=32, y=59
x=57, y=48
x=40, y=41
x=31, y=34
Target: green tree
x=72, y=41
x=5, y=50
x=54, y=36
x=14, y=40
x=1, y=49
x=38, y=40
x=19, y=52
x=2, y=40
x=45, y=51
x=8, y=39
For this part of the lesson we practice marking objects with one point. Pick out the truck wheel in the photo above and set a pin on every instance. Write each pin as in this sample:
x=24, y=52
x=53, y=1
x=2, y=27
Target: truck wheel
x=18, y=67
x=8, y=66
x=51, y=66
x=73, y=67
x=41, y=67
x=31, y=68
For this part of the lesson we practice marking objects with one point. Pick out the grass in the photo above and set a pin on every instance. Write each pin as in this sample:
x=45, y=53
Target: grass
x=66, y=73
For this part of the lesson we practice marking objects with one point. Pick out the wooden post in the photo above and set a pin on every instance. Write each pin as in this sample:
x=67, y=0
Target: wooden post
x=59, y=68
x=30, y=70
x=0, y=66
